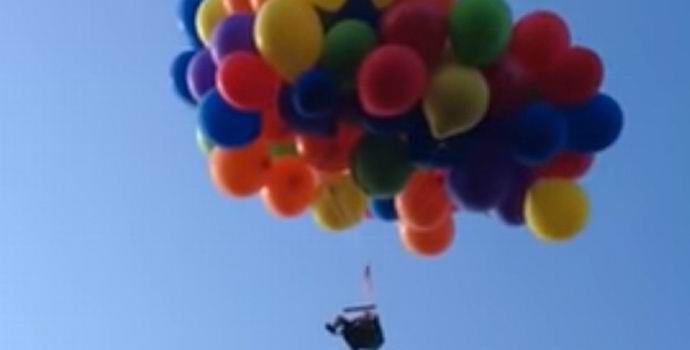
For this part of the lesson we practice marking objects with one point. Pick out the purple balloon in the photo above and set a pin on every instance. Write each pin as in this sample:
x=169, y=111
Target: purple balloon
x=483, y=181
x=512, y=207
x=201, y=74
x=236, y=33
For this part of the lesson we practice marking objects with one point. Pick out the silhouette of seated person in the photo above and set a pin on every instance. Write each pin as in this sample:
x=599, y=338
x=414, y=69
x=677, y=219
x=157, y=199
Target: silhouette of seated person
x=361, y=333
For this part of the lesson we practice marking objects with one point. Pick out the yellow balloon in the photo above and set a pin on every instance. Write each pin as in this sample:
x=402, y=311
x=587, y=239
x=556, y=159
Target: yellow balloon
x=209, y=14
x=289, y=35
x=328, y=5
x=556, y=210
x=457, y=101
x=382, y=3
x=339, y=204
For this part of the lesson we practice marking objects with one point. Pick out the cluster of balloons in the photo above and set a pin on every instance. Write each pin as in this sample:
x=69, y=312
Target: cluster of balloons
x=406, y=111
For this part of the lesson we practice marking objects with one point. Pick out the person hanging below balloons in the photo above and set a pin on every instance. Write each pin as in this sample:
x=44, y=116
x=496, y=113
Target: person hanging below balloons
x=362, y=332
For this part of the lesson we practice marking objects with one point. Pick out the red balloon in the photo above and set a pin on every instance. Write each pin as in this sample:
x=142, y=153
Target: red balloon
x=538, y=39
x=443, y=6
x=329, y=154
x=566, y=166
x=246, y=82
x=417, y=25
x=511, y=86
x=391, y=81
x=273, y=128
x=573, y=78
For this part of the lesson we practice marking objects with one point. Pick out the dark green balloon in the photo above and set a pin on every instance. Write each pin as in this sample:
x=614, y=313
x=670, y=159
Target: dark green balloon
x=381, y=166
x=480, y=31
x=345, y=45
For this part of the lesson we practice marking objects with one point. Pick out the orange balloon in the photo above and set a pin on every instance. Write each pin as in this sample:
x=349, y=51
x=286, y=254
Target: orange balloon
x=428, y=243
x=240, y=173
x=330, y=154
x=444, y=6
x=424, y=203
x=273, y=128
x=290, y=187
x=238, y=5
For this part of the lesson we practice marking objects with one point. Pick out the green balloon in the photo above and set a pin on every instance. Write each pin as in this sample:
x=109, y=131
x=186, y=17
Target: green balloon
x=281, y=150
x=204, y=144
x=345, y=45
x=380, y=166
x=480, y=31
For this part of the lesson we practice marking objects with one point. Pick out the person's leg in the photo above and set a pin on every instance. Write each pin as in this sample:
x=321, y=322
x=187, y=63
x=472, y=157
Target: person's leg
x=337, y=326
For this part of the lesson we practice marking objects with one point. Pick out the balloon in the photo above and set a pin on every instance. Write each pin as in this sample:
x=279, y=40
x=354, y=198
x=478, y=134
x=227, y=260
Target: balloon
x=256, y=4
x=281, y=150
x=480, y=31
x=209, y=14
x=233, y=34
x=428, y=243
x=381, y=4
x=290, y=188
x=539, y=134
x=345, y=46
x=595, y=126
x=363, y=10
x=273, y=129
x=225, y=126
x=511, y=88
x=330, y=154
x=482, y=186
x=234, y=6
x=401, y=124
x=391, y=80
x=384, y=209
x=289, y=36
x=567, y=165
x=538, y=39
x=201, y=74
x=186, y=13
x=456, y=102
x=246, y=82
x=556, y=210
x=424, y=203
x=512, y=208
x=417, y=25
x=240, y=173
x=573, y=78
x=315, y=95
x=329, y=5
x=339, y=204
x=178, y=72
x=442, y=6
x=380, y=166
x=300, y=124
x=203, y=143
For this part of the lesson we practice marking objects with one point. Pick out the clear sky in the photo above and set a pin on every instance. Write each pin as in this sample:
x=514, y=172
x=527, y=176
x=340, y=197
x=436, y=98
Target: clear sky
x=111, y=236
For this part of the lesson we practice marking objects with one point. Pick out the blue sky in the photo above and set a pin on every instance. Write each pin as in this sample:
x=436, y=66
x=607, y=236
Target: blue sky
x=111, y=236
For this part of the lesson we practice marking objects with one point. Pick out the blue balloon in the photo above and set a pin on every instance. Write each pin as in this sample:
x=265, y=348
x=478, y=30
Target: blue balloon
x=301, y=125
x=186, y=13
x=315, y=95
x=538, y=134
x=594, y=126
x=384, y=209
x=226, y=126
x=178, y=72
